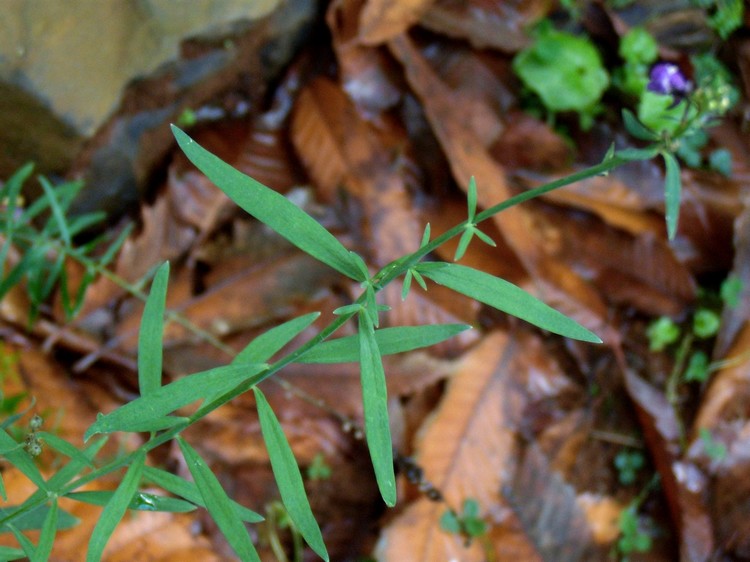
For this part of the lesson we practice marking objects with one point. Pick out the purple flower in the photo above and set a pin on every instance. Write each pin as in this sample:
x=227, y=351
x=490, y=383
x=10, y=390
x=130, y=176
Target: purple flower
x=667, y=78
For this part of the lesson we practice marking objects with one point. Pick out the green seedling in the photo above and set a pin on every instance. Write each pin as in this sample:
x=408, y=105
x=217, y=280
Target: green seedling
x=724, y=16
x=319, y=469
x=634, y=532
x=628, y=464
x=705, y=323
x=468, y=523
x=662, y=333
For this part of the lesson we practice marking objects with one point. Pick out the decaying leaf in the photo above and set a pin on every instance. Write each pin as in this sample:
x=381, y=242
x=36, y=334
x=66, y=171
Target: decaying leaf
x=485, y=24
x=383, y=19
x=465, y=450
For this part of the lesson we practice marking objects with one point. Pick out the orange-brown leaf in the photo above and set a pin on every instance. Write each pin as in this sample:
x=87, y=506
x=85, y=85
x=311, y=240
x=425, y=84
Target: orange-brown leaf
x=465, y=450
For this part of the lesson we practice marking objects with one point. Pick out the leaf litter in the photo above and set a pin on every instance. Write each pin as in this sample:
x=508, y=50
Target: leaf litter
x=376, y=134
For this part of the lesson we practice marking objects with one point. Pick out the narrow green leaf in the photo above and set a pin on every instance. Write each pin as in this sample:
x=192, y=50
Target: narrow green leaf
x=406, y=284
x=272, y=209
x=3, y=492
x=47, y=536
x=57, y=212
x=76, y=225
x=19, y=458
x=425, y=236
x=115, y=245
x=189, y=491
x=472, y=199
x=33, y=520
x=141, y=501
x=115, y=508
x=29, y=262
x=484, y=238
x=65, y=448
x=371, y=306
x=10, y=191
x=218, y=504
x=672, y=189
x=463, y=242
x=348, y=309
x=8, y=553
x=28, y=547
x=419, y=279
x=148, y=413
x=398, y=339
x=72, y=309
x=375, y=402
x=151, y=333
x=638, y=153
x=288, y=476
x=505, y=296
x=63, y=192
x=262, y=348
x=636, y=128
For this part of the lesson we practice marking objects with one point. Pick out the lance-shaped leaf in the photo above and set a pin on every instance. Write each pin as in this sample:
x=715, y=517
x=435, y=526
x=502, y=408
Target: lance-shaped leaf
x=398, y=339
x=288, y=477
x=141, y=501
x=115, y=508
x=33, y=520
x=375, y=402
x=8, y=553
x=218, y=504
x=149, y=413
x=151, y=333
x=67, y=449
x=505, y=296
x=672, y=189
x=262, y=348
x=188, y=490
x=273, y=209
x=47, y=536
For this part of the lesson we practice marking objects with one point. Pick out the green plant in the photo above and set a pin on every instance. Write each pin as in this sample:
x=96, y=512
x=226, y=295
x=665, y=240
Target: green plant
x=319, y=469
x=724, y=16
x=277, y=519
x=468, y=524
x=636, y=531
x=639, y=50
x=634, y=534
x=163, y=412
x=628, y=463
x=564, y=70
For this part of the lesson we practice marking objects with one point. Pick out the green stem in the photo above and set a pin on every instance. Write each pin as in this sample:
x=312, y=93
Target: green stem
x=401, y=265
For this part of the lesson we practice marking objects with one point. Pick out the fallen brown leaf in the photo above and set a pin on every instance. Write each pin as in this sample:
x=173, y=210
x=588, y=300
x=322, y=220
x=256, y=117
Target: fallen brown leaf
x=465, y=450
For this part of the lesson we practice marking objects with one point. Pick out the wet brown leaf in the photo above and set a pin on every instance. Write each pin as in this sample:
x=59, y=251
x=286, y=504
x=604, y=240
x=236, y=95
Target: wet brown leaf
x=550, y=513
x=486, y=23
x=640, y=271
x=465, y=449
